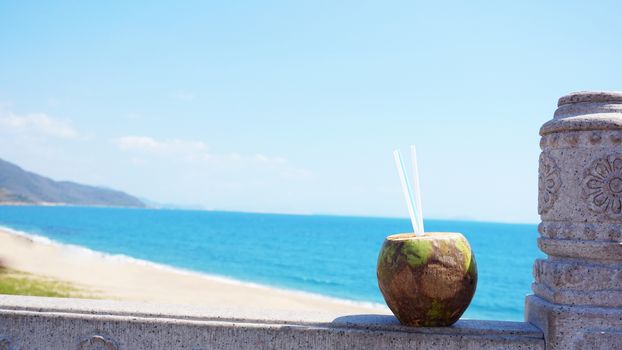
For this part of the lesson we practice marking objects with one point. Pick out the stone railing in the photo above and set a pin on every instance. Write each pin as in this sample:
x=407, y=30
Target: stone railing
x=50, y=323
x=577, y=301
x=578, y=288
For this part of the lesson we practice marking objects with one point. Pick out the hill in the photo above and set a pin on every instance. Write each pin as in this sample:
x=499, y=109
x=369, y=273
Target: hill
x=18, y=186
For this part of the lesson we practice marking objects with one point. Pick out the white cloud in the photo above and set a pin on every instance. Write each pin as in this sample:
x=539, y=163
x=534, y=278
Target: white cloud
x=189, y=150
x=260, y=158
x=39, y=123
x=184, y=96
x=150, y=145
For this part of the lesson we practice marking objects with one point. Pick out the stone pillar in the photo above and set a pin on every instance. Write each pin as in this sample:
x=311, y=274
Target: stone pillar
x=577, y=299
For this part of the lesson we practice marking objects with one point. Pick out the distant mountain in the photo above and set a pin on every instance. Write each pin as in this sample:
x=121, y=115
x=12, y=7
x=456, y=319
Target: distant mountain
x=18, y=186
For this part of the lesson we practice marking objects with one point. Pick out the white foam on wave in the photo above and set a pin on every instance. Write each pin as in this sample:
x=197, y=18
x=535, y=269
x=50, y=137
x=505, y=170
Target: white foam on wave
x=122, y=258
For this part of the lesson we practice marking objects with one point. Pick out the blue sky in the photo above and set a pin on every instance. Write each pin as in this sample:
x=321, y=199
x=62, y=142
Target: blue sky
x=296, y=106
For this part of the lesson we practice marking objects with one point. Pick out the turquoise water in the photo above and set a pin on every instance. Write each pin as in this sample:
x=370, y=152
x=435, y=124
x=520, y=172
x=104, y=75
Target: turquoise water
x=328, y=255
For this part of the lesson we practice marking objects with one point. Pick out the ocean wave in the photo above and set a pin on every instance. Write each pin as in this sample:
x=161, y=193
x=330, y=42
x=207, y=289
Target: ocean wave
x=122, y=258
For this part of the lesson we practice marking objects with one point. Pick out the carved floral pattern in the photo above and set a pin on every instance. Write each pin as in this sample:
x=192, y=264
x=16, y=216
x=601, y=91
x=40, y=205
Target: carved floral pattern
x=97, y=342
x=602, y=186
x=549, y=182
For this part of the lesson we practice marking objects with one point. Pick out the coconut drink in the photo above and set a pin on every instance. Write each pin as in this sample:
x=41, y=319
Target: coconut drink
x=427, y=278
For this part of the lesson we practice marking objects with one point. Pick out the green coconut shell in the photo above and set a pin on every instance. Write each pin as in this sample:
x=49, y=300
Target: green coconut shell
x=427, y=280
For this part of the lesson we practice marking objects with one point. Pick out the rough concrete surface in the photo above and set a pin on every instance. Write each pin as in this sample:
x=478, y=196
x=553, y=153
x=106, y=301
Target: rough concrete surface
x=50, y=323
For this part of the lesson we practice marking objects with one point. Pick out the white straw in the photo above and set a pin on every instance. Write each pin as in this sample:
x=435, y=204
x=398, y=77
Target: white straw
x=407, y=191
x=413, y=153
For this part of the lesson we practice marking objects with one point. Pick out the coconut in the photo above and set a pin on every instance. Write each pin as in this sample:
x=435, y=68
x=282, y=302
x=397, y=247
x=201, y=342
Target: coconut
x=427, y=280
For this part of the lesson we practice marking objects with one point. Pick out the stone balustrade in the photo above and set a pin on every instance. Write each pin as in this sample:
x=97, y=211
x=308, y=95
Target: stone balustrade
x=577, y=300
x=51, y=323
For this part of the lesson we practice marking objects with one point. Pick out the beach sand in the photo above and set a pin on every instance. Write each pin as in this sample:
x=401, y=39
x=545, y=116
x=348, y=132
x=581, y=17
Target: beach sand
x=126, y=279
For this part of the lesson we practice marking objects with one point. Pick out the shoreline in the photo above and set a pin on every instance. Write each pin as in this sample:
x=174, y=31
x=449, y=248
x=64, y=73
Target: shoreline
x=338, y=215
x=123, y=277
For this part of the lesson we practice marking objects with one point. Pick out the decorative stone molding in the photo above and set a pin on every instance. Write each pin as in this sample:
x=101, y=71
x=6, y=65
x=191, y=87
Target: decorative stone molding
x=590, y=97
x=585, y=277
x=549, y=182
x=572, y=297
x=581, y=249
x=97, y=342
x=586, y=112
x=581, y=231
x=602, y=186
x=579, y=284
x=593, y=139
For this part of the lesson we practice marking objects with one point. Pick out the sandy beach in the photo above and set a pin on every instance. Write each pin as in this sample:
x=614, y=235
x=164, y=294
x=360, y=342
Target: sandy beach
x=125, y=279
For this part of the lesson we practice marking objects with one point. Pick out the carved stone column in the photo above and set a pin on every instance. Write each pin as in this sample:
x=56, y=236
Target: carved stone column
x=578, y=287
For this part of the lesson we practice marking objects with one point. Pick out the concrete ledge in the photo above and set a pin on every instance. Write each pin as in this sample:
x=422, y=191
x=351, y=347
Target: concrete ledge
x=51, y=323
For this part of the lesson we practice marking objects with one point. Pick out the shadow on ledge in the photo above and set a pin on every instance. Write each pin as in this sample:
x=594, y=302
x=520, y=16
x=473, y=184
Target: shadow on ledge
x=367, y=319
x=463, y=326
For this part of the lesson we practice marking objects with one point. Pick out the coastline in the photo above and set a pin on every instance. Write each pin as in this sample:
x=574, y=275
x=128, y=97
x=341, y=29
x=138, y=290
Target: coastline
x=121, y=277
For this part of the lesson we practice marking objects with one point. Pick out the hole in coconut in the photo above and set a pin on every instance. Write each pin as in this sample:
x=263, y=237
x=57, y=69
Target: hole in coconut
x=427, y=235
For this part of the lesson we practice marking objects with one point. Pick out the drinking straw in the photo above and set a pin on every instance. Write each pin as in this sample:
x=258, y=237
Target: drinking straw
x=410, y=202
x=413, y=154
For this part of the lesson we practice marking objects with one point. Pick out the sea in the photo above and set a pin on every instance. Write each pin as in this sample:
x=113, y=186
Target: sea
x=329, y=256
